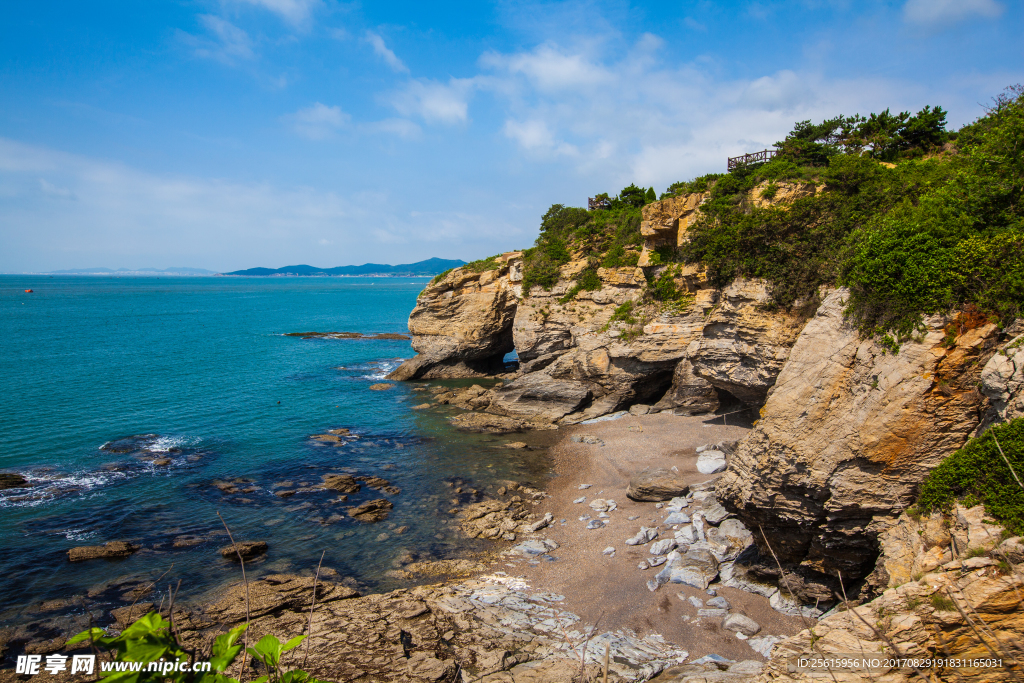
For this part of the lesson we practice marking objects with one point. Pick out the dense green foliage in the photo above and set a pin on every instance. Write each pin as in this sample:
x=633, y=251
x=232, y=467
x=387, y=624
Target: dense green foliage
x=979, y=473
x=479, y=266
x=609, y=237
x=939, y=229
x=151, y=638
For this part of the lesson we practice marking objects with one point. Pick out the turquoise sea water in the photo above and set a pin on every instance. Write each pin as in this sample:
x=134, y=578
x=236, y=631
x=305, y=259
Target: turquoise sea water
x=100, y=376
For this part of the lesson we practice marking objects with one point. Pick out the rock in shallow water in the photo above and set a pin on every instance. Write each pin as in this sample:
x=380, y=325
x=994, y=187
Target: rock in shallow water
x=247, y=549
x=371, y=511
x=109, y=551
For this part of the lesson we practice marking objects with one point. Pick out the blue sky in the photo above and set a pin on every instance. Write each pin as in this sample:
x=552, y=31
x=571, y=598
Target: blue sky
x=227, y=134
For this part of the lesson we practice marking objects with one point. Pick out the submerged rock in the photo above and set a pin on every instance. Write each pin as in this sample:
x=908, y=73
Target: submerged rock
x=11, y=480
x=371, y=511
x=247, y=549
x=345, y=483
x=109, y=551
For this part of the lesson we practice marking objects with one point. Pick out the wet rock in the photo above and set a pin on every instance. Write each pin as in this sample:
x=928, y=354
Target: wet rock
x=518, y=445
x=187, y=541
x=711, y=462
x=247, y=549
x=345, y=483
x=108, y=551
x=371, y=511
x=380, y=484
x=652, y=485
x=125, y=616
x=381, y=386
x=11, y=480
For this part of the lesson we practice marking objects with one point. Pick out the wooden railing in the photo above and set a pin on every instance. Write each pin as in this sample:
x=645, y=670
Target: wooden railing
x=752, y=158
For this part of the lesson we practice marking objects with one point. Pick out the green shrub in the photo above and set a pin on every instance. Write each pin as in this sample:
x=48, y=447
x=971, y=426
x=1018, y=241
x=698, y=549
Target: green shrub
x=618, y=257
x=440, y=276
x=151, y=639
x=623, y=313
x=978, y=473
x=481, y=265
x=586, y=281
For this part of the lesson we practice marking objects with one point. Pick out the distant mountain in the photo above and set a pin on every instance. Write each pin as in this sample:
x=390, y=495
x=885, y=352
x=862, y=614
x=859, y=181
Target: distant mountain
x=431, y=266
x=136, y=271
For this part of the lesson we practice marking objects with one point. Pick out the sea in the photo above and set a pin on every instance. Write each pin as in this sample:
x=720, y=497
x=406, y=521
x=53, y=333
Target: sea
x=149, y=409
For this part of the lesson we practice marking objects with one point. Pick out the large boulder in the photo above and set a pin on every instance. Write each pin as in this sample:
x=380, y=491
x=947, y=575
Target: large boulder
x=462, y=323
x=653, y=485
x=847, y=435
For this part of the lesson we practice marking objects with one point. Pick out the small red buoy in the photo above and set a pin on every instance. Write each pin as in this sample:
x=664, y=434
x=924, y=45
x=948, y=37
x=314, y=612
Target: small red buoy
x=28, y=291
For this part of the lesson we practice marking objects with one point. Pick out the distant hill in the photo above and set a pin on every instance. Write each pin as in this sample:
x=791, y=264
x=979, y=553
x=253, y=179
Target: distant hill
x=431, y=266
x=133, y=271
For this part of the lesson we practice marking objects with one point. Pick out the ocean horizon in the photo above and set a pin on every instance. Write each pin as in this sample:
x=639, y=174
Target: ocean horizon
x=139, y=408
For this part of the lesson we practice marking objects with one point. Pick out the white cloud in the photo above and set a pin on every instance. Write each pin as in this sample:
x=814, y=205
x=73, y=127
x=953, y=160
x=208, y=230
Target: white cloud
x=433, y=101
x=631, y=117
x=548, y=68
x=319, y=121
x=228, y=43
x=295, y=12
x=382, y=51
x=940, y=12
x=535, y=136
x=123, y=215
x=402, y=128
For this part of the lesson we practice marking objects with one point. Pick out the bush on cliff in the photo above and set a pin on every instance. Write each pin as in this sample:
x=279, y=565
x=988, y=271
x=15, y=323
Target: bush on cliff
x=926, y=235
x=979, y=473
x=610, y=236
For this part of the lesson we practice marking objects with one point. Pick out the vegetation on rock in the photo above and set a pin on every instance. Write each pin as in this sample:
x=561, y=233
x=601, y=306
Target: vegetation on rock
x=989, y=470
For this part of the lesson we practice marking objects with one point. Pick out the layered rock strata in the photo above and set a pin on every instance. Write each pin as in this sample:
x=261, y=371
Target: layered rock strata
x=847, y=435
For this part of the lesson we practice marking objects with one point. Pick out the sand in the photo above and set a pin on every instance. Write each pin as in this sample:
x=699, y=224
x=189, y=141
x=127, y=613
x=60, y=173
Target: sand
x=612, y=590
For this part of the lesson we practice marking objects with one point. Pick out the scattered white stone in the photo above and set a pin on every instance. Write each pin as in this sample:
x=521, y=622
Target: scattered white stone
x=696, y=602
x=595, y=524
x=663, y=546
x=604, y=515
x=608, y=551
x=677, y=518
x=720, y=603
x=645, y=535
x=584, y=518
x=686, y=534
x=677, y=504
x=711, y=462
x=643, y=566
x=530, y=548
x=581, y=499
x=742, y=623
x=763, y=645
x=653, y=585
x=741, y=635
x=633, y=518
x=659, y=505
x=598, y=505
x=585, y=486
x=655, y=561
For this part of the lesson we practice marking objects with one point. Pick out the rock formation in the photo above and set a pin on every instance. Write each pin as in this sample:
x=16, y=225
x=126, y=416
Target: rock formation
x=847, y=435
x=462, y=324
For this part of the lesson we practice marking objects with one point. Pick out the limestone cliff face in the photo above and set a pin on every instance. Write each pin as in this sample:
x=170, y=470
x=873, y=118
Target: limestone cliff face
x=848, y=434
x=462, y=323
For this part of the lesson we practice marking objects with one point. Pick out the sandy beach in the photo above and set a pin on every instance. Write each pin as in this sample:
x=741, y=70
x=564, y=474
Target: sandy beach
x=610, y=590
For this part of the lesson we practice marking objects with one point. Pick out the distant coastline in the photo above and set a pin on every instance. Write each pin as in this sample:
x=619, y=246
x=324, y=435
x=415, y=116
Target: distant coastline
x=427, y=268
x=431, y=266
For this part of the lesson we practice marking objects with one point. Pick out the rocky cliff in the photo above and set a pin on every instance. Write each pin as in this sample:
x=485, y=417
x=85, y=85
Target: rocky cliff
x=848, y=429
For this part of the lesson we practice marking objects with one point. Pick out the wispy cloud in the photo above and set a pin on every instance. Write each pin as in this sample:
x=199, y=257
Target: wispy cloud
x=295, y=12
x=123, y=214
x=319, y=121
x=224, y=41
x=434, y=101
x=692, y=23
x=946, y=12
x=382, y=51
